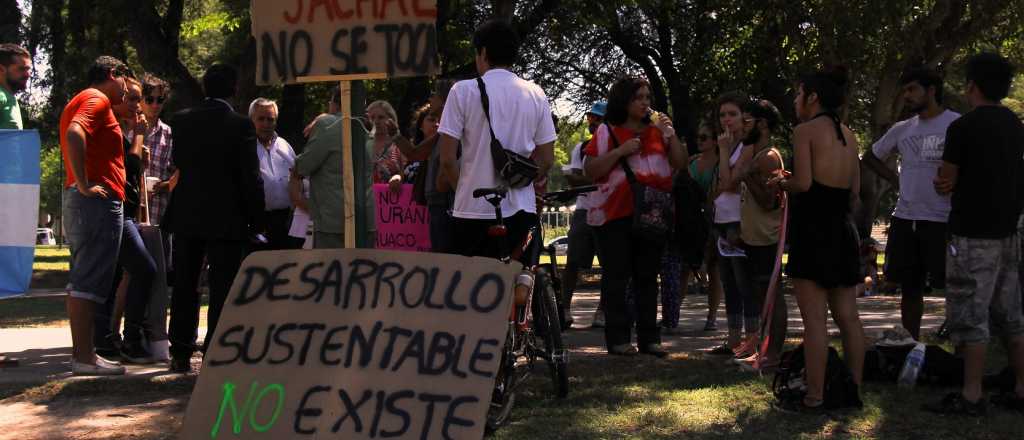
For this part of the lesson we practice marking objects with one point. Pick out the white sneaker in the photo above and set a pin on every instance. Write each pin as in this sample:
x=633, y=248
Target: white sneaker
x=598, y=319
x=103, y=367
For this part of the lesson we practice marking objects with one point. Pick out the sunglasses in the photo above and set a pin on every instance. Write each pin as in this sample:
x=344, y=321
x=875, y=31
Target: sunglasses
x=157, y=99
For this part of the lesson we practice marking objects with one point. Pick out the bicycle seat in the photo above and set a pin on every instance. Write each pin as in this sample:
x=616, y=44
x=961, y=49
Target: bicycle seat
x=499, y=191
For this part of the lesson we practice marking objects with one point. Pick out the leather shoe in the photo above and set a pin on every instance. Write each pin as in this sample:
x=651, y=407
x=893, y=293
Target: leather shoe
x=180, y=365
x=622, y=350
x=654, y=350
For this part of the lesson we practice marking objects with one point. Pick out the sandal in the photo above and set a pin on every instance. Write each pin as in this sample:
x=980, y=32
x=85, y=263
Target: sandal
x=798, y=406
x=722, y=350
x=956, y=404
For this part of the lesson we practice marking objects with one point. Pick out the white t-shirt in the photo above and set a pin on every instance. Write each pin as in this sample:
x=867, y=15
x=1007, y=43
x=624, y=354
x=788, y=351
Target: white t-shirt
x=920, y=144
x=576, y=163
x=727, y=205
x=521, y=118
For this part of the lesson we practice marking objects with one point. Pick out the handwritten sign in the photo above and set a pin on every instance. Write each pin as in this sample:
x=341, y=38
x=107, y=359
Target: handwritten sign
x=402, y=224
x=354, y=344
x=296, y=38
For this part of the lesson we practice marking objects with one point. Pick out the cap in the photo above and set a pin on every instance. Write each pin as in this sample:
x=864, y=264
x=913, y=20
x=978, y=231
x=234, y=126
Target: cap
x=598, y=108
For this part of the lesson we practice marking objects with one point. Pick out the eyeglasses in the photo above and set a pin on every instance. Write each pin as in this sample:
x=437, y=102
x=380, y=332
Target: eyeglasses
x=158, y=99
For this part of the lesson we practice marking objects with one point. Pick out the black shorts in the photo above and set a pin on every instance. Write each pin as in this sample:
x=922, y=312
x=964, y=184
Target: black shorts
x=582, y=242
x=916, y=253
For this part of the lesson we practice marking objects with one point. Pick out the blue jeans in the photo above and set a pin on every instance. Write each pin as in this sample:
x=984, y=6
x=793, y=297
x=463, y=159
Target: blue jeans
x=742, y=309
x=141, y=266
x=93, y=227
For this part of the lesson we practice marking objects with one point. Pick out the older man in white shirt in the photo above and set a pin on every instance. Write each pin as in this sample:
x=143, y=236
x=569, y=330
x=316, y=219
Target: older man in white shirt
x=277, y=158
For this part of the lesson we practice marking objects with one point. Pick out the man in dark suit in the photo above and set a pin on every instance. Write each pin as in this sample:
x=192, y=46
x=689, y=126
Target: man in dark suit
x=215, y=208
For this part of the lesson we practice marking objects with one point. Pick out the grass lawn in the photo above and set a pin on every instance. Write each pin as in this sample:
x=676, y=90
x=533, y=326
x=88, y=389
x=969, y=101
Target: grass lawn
x=689, y=396
x=50, y=267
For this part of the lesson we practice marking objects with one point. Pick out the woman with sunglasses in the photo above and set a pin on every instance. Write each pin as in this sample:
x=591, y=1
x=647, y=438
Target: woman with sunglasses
x=704, y=169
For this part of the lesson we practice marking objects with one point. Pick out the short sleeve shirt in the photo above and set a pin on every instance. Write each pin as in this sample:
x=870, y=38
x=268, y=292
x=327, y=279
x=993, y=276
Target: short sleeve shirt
x=613, y=199
x=987, y=146
x=576, y=163
x=104, y=143
x=521, y=119
x=920, y=143
x=10, y=111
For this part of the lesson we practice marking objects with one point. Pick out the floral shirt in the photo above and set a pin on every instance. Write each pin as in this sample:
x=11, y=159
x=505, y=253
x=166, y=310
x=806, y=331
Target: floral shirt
x=159, y=142
x=613, y=199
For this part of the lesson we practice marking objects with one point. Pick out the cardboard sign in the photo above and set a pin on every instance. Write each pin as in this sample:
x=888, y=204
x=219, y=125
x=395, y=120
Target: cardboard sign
x=296, y=38
x=354, y=344
x=402, y=224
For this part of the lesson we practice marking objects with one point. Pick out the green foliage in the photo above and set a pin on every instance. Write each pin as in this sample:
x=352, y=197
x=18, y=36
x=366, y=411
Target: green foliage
x=51, y=182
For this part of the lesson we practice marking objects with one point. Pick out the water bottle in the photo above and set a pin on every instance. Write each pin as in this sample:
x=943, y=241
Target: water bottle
x=912, y=366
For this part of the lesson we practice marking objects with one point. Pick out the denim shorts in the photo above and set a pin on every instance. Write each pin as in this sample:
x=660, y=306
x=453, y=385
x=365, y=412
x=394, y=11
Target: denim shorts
x=93, y=227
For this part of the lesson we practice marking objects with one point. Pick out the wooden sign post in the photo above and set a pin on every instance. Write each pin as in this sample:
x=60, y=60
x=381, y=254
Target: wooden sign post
x=308, y=42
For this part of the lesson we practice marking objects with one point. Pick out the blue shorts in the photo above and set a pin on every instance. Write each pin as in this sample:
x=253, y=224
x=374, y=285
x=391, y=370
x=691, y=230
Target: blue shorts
x=93, y=227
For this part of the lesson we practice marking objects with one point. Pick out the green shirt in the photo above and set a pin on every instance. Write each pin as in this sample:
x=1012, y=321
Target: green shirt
x=10, y=112
x=321, y=162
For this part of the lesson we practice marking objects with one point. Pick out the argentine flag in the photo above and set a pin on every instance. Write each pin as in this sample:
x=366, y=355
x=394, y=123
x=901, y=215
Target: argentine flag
x=19, y=208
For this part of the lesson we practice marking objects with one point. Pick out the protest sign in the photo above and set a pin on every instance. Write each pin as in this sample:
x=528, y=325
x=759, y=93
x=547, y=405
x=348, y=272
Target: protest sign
x=19, y=194
x=354, y=344
x=402, y=224
x=301, y=38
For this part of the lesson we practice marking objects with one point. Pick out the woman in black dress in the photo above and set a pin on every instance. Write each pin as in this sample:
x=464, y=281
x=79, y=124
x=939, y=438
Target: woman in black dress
x=823, y=256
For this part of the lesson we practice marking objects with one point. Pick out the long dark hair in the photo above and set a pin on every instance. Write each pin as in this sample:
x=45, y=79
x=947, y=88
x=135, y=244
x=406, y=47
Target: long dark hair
x=620, y=96
x=829, y=85
x=417, y=129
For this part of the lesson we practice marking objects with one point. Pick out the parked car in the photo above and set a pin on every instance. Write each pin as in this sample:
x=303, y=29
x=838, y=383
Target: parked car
x=561, y=245
x=45, y=236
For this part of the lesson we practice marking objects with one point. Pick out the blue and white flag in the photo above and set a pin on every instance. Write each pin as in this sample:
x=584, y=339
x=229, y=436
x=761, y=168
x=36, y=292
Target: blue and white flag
x=19, y=208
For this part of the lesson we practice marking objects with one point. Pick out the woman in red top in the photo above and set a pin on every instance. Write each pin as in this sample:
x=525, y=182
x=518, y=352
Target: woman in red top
x=653, y=152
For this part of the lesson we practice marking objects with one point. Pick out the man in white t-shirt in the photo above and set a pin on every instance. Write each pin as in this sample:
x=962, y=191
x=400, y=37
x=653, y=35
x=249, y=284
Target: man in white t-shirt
x=916, y=252
x=582, y=241
x=521, y=119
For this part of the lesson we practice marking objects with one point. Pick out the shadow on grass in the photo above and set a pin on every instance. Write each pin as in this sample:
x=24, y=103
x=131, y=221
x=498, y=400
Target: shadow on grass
x=32, y=312
x=696, y=397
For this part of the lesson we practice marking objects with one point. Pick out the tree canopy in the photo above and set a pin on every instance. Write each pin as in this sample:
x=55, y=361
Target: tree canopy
x=690, y=50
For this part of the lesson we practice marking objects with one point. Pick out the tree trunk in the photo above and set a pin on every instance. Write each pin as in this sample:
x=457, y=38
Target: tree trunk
x=10, y=22
x=158, y=51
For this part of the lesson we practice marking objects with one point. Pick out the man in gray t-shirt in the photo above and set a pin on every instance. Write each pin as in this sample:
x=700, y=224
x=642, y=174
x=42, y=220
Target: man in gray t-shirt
x=915, y=252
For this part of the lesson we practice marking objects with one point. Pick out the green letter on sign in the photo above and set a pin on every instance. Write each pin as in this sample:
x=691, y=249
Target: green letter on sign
x=247, y=408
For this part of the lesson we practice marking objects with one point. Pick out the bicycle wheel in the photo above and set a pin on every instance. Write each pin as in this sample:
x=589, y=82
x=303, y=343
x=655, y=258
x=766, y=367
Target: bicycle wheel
x=503, y=397
x=548, y=327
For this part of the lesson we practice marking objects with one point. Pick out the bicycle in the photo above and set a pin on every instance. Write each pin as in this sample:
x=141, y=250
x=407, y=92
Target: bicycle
x=534, y=327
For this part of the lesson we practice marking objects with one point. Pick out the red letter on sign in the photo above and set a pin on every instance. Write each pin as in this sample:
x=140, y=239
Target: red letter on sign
x=342, y=14
x=420, y=12
x=313, y=4
x=384, y=7
x=359, y=9
x=298, y=14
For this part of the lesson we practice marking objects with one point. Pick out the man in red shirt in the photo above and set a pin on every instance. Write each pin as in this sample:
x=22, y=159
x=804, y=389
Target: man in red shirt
x=92, y=146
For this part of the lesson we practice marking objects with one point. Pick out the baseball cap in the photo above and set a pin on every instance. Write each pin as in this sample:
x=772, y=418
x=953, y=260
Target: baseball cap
x=598, y=108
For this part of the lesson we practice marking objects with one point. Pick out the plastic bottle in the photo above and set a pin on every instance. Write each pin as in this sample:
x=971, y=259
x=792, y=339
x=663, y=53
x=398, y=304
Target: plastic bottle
x=912, y=366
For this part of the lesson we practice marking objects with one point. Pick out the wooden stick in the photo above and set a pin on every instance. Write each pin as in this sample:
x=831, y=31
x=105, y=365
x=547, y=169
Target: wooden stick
x=348, y=180
x=341, y=78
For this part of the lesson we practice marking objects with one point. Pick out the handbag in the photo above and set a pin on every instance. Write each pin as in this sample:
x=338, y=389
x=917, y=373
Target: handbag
x=653, y=209
x=515, y=169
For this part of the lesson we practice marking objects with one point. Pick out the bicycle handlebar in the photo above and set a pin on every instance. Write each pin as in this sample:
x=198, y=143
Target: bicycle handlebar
x=567, y=195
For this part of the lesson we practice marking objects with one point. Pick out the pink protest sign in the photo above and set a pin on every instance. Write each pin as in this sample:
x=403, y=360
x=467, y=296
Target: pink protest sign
x=402, y=224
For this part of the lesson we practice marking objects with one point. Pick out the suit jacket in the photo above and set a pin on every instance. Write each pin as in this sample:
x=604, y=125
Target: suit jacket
x=220, y=192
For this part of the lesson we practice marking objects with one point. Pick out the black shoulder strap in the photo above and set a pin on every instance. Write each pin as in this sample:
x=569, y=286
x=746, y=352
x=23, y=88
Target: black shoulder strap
x=486, y=103
x=625, y=166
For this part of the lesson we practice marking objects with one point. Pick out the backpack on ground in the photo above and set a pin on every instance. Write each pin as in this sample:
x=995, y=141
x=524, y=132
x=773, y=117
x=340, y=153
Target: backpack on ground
x=883, y=363
x=790, y=381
